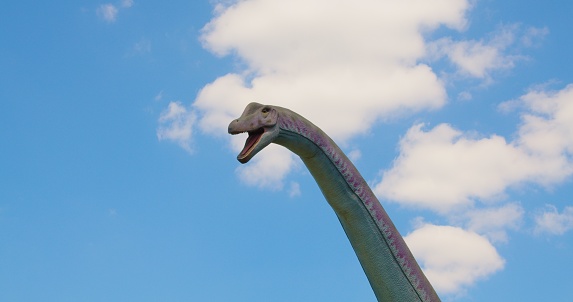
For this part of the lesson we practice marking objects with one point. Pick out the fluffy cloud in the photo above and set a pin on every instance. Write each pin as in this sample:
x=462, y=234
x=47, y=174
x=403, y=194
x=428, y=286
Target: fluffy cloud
x=548, y=125
x=453, y=258
x=342, y=64
x=493, y=222
x=365, y=51
x=479, y=58
x=176, y=124
x=550, y=221
x=347, y=64
x=475, y=58
x=444, y=168
x=109, y=11
x=267, y=171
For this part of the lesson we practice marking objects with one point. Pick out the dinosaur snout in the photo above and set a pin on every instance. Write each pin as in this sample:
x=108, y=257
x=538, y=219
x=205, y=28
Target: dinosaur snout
x=232, y=129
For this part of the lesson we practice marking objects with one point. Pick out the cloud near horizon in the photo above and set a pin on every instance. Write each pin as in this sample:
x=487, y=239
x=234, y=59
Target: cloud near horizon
x=464, y=176
x=453, y=258
x=444, y=169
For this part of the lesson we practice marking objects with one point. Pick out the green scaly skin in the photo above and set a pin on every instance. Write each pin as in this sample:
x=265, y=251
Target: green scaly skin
x=388, y=264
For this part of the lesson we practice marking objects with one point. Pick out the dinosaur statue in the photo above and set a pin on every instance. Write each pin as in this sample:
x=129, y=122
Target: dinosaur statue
x=389, y=265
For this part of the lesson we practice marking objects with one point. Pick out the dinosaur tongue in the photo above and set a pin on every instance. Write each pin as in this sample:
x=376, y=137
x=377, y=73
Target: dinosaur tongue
x=252, y=140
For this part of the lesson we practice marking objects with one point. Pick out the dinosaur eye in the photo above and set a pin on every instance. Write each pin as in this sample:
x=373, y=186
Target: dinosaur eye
x=265, y=110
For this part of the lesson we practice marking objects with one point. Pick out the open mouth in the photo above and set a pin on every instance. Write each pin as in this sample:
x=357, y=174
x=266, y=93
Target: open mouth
x=252, y=141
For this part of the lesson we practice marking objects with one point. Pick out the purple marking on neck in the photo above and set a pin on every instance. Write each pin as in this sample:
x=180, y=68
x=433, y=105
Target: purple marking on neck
x=357, y=183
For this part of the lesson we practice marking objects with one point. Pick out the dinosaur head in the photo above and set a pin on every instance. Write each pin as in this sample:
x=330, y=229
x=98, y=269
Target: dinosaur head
x=260, y=122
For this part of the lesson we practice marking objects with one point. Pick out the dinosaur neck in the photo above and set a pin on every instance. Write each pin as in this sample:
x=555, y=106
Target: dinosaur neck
x=389, y=265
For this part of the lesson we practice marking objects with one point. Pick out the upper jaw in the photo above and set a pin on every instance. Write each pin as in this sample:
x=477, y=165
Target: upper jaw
x=234, y=128
x=257, y=140
x=251, y=145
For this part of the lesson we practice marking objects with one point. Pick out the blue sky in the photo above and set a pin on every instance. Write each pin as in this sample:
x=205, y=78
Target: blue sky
x=119, y=182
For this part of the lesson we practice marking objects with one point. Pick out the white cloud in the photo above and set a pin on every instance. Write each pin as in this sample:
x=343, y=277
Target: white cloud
x=452, y=258
x=176, y=124
x=478, y=58
x=475, y=58
x=548, y=123
x=552, y=222
x=493, y=222
x=349, y=63
x=343, y=64
x=444, y=168
x=533, y=36
x=464, y=96
x=354, y=155
x=349, y=60
x=108, y=12
x=267, y=169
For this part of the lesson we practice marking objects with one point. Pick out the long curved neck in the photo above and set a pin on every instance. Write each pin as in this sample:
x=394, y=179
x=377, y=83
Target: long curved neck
x=389, y=265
